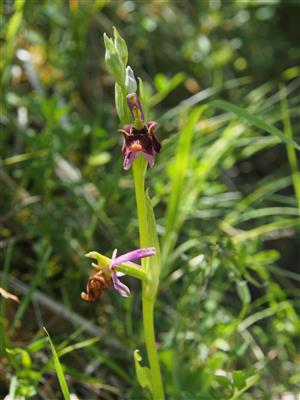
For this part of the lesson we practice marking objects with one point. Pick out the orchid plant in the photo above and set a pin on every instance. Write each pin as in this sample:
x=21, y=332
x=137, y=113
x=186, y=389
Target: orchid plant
x=140, y=147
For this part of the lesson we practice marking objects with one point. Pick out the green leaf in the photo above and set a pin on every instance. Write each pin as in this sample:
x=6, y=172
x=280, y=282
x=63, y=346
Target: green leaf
x=15, y=21
x=120, y=103
x=77, y=346
x=253, y=120
x=143, y=373
x=267, y=228
x=109, y=44
x=35, y=280
x=223, y=380
x=37, y=345
x=121, y=46
x=99, y=159
x=263, y=190
x=292, y=156
x=243, y=291
x=59, y=370
x=113, y=61
x=4, y=335
x=180, y=168
x=239, y=379
x=23, y=357
x=13, y=387
x=248, y=383
x=165, y=86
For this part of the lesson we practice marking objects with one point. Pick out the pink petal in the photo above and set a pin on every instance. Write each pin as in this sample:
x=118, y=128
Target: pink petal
x=134, y=255
x=119, y=286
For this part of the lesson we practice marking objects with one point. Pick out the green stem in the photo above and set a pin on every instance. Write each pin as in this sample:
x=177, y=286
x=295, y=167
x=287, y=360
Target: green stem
x=157, y=386
x=139, y=169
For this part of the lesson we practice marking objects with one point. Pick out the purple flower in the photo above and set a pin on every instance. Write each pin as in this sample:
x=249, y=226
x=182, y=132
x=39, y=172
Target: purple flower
x=139, y=137
x=108, y=276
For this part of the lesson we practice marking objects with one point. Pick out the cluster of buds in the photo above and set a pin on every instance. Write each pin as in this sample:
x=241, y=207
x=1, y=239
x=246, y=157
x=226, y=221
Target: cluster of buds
x=139, y=135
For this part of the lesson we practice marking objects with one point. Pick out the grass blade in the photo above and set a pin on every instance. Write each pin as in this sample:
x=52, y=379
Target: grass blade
x=4, y=337
x=34, y=283
x=291, y=153
x=180, y=169
x=59, y=370
x=253, y=120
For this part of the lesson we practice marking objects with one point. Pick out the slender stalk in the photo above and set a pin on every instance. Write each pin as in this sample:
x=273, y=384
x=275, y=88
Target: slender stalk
x=157, y=386
x=139, y=168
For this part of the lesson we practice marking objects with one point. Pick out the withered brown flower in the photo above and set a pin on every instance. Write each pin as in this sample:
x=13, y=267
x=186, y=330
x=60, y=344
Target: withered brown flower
x=96, y=284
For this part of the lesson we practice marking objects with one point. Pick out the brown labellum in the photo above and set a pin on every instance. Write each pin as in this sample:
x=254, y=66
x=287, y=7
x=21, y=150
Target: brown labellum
x=94, y=287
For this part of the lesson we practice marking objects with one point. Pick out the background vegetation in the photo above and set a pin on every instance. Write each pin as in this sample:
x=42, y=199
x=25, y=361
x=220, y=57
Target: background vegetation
x=226, y=191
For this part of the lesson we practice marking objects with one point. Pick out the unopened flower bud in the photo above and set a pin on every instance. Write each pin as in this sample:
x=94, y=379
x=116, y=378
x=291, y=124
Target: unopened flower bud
x=135, y=107
x=130, y=82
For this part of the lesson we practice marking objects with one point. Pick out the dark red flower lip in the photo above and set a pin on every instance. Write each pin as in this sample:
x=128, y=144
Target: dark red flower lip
x=142, y=141
x=139, y=136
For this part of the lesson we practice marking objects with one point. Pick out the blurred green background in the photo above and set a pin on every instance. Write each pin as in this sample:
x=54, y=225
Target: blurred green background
x=226, y=194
